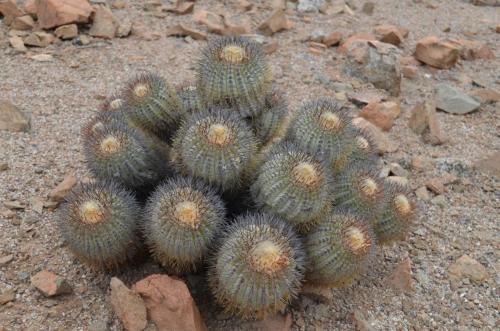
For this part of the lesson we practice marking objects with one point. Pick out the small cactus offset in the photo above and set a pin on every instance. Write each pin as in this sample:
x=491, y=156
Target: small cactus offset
x=188, y=211
x=99, y=223
x=338, y=249
x=233, y=69
x=258, y=268
x=301, y=186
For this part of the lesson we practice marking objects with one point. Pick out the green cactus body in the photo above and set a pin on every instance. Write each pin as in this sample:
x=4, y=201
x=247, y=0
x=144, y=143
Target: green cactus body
x=124, y=154
x=271, y=124
x=190, y=98
x=359, y=150
x=258, y=267
x=233, y=69
x=113, y=103
x=396, y=216
x=99, y=223
x=338, y=249
x=359, y=188
x=151, y=103
x=293, y=185
x=216, y=146
x=183, y=218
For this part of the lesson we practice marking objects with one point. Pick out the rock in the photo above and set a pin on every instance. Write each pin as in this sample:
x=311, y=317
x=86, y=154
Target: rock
x=18, y=44
x=401, y=279
x=365, y=97
x=423, y=194
x=81, y=40
x=22, y=23
x=42, y=57
x=12, y=119
x=275, y=23
x=486, y=95
x=10, y=10
x=490, y=165
x=332, y=39
x=213, y=22
x=30, y=7
x=39, y=39
x=390, y=34
x=270, y=47
x=419, y=163
x=7, y=296
x=497, y=29
x=424, y=121
x=183, y=31
x=236, y=26
x=14, y=205
x=4, y=166
x=381, y=114
x=245, y=5
x=69, y=31
x=105, y=24
x=375, y=62
x=53, y=13
x=321, y=294
x=277, y=322
x=124, y=29
x=437, y=53
x=436, y=185
x=454, y=101
x=472, y=50
x=50, y=284
x=346, y=44
x=4, y=260
x=368, y=7
x=409, y=71
x=360, y=321
x=382, y=141
x=169, y=303
x=493, y=3
x=397, y=170
x=128, y=306
x=119, y=4
x=181, y=8
x=63, y=188
x=467, y=267
x=310, y=6
x=37, y=204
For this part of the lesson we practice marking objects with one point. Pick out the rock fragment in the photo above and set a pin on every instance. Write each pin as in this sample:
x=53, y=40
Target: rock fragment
x=23, y=23
x=12, y=119
x=437, y=53
x=390, y=34
x=310, y=6
x=39, y=39
x=382, y=141
x=467, y=267
x=182, y=30
x=10, y=10
x=275, y=23
x=7, y=296
x=105, y=24
x=452, y=100
x=486, y=95
x=381, y=114
x=4, y=260
x=474, y=50
x=128, y=306
x=181, y=8
x=63, y=188
x=50, y=284
x=53, y=13
x=17, y=43
x=401, y=279
x=424, y=121
x=332, y=39
x=68, y=31
x=490, y=164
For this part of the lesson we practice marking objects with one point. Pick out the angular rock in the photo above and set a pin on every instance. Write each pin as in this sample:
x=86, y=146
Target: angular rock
x=467, y=267
x=332, y=39
x=275, y=23
x=14, y=205
x=473, y=50
x=490, y=165
x=212, y=21
x=30, y=7
x=39, y=39
x=128, y=306
x=346, y=44
x=42, y=57
x=486, y=95
x=375, y=62
x=63, y=188
x=7, y=296
x=182, y=30
x=437, y=53
x=452, y=100
x=390, y=34
x=236, y=26
x=310, y=6
x=50, y=284
x=105, y=24
x=53, y=13
x=181, y=8
x=381, y=114
x=69, y=31
x=424, y=121
x=169, y=303
x=10, y=10
x=436, y=185
x=18, y=44
x=22, y=23
x=382, y=141
x=4, y=260
x=409, y=71
x=401, y=279
x=13, y=119
x=124, y=29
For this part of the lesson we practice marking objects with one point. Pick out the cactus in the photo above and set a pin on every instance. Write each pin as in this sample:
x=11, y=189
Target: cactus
x=293, y=185
x=338, y=249
x=258, y=268
x=190, y=98
x=233, y=69
x=151, y=103
x=113, y=103
x=359, y=188
x=119, y=152
x=358, y=150
x=271, y=124
x=183, y=218
x=99, y=223
x=215, y=146
x=396, y=216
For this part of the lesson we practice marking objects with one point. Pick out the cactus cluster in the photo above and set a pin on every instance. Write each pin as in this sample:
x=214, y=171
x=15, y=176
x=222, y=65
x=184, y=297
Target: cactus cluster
x=218, y=175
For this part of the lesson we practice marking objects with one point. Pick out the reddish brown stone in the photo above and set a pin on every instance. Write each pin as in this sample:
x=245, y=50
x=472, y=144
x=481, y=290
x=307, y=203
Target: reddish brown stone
x=128, y=306
x=390, y=34
x=278, y=21
x=332, y=39
x=182, y=30
x=436, y=185
x=53, y=13
x=437, y=53
x=22, y=23
x=63, y=188
x=10, y=10
x=401, y=277
x=105, y=24
x=409, y=71
x=474, y=50
x=50, y=284
x=486, y=95
x=344, y=47
x=381, y=114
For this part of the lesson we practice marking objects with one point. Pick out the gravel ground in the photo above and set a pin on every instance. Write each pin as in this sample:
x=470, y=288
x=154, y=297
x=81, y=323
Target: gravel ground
x=63, y=94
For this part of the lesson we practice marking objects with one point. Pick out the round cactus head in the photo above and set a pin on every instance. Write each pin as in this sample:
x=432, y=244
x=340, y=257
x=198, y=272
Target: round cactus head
x=359, y=150
x=99, y=223
x=215, y=146
x=116, y=151
x=189, y=213
x=396, y=216
x=113, y=103
x=338, y=249
x=233, y=69
x=293, y=185
x=273, y=121
x=190, y=98
x=258, y=268
x=151, y=103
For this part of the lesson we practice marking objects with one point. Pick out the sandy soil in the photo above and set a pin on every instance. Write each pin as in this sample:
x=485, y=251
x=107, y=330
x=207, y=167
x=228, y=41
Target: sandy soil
x=63, y=94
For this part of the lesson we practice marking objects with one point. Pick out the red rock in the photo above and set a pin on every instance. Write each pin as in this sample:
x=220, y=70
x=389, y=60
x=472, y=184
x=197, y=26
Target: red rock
x=63, y=188
x=22, y=23
x=169, y=303
x=467, y=267
x=382, y=141
x=381, y=114
x=409, y=71
x=181, y=8
x=183, y=31
x=212, y=21
x=344, y=47
x=390, y=34
x=235, y=27
x=10, y=10
x=424, y=121
x=473, y=50
x=30, y=7
x=363, y=98
x=245, y=5
x=69, y=31
x=437, y=53
x=436, y=185
x=275, y=23
x=497, y=29
x=50, y=284
x=105, y=24
x=53, y=13
x=128, y=306
x=486, y=95
x=401, y=277
x=7, y=296
x=332, y=39
x=409, y=61
x=271, y=47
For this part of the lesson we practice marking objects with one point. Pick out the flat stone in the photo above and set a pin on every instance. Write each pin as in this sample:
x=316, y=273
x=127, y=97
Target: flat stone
x=12, y=119
x=42, y=57
x=436, y=185
x=17, y=43
x=22, y=23
x=401, y=278
x=50, y=284
x=68, y=31
x=381, y=114
x=128, y=306
x=452, y=100
x=14, y=205
x=105, y=24
x=4, y=260
x=437, y=53
x=486, y=95
x=276, y=22
x=63, y=188
x=182, y=30
x=53, y=13
x=39, y=39
x=390, y=34
x=467, y=267
x=7, y=296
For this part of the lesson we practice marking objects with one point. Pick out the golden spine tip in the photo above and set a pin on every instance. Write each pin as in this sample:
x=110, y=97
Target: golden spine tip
x=187, y=213
x=91, y=212
x=110, y=145
x=305, y=174
x=267, y=257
